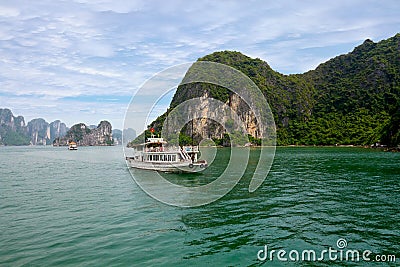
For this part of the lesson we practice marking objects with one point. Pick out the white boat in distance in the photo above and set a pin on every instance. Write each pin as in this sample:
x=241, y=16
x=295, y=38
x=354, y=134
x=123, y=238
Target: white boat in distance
x=72, y=146
x=155, y=155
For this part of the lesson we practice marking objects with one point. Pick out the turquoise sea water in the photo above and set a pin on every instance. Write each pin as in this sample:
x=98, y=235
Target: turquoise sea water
x=82, y=208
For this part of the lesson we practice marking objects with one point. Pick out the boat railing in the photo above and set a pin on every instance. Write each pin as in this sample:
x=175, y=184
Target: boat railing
x=187, y=149
x=162, y=149
x=171, y=148
x=191, y=148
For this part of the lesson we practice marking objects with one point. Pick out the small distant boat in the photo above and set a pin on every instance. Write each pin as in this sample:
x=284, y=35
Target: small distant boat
x=155, y=155
x=72, y=146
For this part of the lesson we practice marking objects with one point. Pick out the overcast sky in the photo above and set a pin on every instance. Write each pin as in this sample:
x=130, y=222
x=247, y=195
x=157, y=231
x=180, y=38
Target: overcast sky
x=82, y=61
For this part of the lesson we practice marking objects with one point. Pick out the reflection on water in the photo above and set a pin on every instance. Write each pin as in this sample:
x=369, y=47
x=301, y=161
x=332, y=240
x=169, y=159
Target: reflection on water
x=58, y=208
x=311, y=198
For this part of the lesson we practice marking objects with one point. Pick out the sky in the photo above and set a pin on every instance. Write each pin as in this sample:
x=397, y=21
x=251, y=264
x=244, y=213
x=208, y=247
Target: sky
x=83, y=61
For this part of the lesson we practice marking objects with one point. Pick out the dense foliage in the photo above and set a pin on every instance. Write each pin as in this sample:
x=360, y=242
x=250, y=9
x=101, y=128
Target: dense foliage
x=77, y=132
x=9, y=137
x=350, y=99
x=12, y=129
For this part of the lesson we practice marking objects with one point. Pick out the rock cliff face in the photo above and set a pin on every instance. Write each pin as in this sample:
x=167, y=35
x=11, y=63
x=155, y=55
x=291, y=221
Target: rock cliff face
x=8, y=119
x=84, y=136
x=57, y=129
x=207, y=128
x=42, y=133
x=39, y=132
x=12, y=129
x=101, y=136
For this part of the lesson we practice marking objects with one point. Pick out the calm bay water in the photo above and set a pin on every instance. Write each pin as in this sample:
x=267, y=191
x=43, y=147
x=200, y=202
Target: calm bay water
x=68, y=208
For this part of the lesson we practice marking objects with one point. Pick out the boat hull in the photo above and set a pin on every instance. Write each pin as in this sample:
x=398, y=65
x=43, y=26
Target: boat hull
x=186, y=166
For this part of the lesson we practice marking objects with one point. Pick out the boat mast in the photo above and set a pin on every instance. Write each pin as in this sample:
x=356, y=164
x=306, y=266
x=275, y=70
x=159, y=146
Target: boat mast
x=192, y=133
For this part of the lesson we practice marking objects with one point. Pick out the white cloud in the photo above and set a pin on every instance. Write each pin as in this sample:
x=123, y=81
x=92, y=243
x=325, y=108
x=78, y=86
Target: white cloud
x=54, y=49
x=117, y=6
x=8, y=12
x=91, y=71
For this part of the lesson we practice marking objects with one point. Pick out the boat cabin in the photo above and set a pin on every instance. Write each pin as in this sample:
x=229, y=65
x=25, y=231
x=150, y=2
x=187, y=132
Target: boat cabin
x=154, y=150
x=154, y=154
x=72, y=145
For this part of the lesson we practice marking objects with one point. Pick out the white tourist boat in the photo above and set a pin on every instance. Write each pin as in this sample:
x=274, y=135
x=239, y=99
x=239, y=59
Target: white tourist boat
x=72, y=146
x=155, y=155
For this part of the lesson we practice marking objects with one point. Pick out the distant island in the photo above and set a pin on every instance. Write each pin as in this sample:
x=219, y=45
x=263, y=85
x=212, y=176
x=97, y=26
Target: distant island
x=15, y=132
x=352, y=99
x=87, y=136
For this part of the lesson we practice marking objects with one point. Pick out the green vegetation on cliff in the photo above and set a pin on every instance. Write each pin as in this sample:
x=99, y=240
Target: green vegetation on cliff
x=12, y=129
x=84, y=136
x=14, y=132
x=12, y=138
x=350, y=99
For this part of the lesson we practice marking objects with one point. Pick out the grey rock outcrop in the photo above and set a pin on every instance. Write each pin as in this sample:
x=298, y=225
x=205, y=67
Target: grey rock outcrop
x=12, y=129
x=84, y=136
x=57, y=129
x=39, y=132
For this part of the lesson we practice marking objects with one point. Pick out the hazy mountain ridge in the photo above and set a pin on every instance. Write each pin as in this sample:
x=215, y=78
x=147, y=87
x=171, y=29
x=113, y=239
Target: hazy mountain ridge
x=127, y=134
x=350, y=99
x=14, y=131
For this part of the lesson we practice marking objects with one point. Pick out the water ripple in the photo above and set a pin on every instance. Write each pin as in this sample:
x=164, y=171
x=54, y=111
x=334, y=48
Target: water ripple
x=62, y=208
